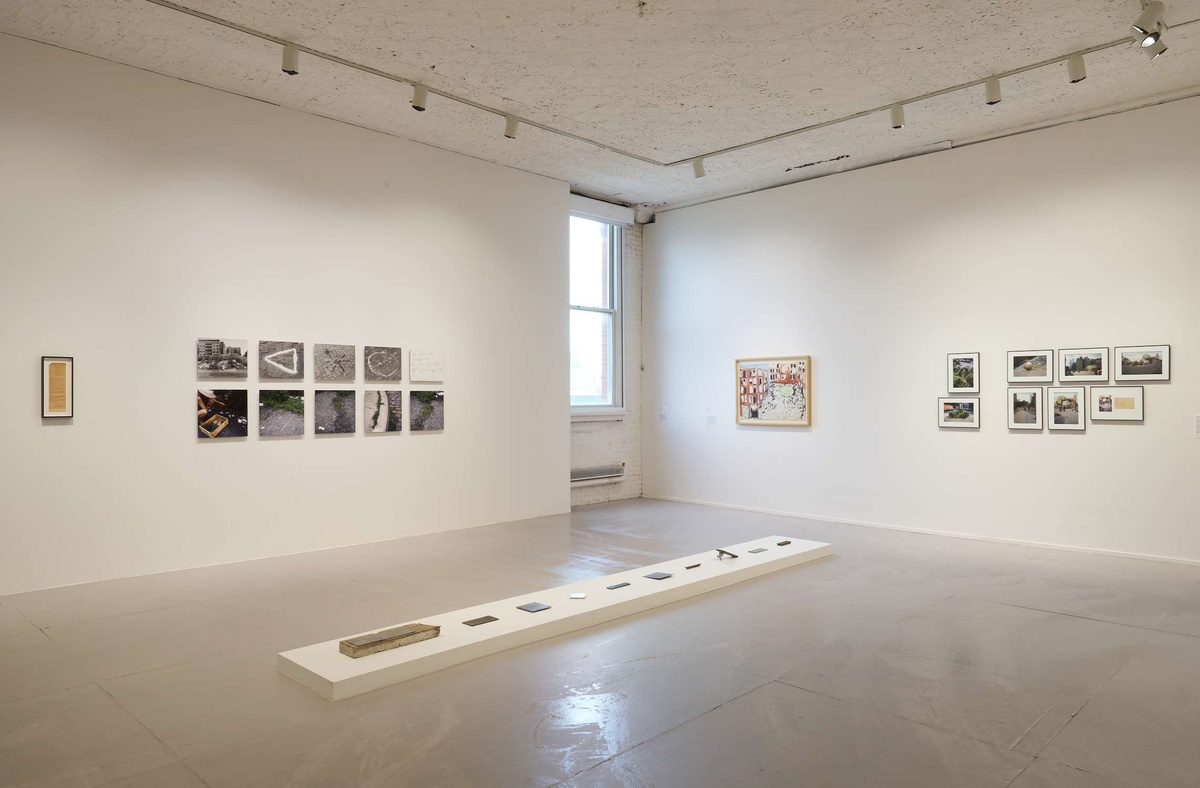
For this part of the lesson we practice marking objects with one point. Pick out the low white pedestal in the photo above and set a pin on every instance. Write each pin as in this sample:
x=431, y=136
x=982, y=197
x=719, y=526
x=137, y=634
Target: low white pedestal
x=325, y=670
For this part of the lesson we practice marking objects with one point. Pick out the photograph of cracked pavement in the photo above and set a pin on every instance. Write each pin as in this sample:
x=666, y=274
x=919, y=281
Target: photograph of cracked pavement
x=333, y=413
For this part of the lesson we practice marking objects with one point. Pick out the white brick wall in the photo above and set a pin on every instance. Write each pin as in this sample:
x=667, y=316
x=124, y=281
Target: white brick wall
x=611, y=442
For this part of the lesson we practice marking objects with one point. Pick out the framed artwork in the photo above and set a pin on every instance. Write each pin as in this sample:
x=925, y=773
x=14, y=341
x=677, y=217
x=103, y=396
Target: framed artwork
x=1031, y=366
x=58, y=387
x=280, y=412
x=383, y=411
x=962, y=373
x=774, y=391
x=1083, y=365
x=221, y=413
x=1068, y=406
x=382, y=363
x=334, y=413
x=1143, y=362
x=333, y=362
x=958, y=413
x=281, y=360
x=1025, y=406
x=428, y=411
x=221, y=358
x=1118, y=403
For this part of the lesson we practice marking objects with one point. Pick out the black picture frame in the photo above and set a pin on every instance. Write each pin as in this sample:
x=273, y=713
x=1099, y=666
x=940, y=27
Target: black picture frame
x=70, y=412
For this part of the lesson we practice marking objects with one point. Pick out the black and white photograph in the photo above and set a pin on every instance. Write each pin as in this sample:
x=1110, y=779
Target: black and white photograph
x=383, y=411
x=334, y=413
x=1031, y=366
x=280, y=412
x=1068, y=408
x=281, y=360
x=222, y=358
x=1083, y=365
x=221, y=413
x=382, y=363
x=428, y=409
x=334, y=362
x=962, y=373
x=958, y=413
x=1025, y=406
x=1117, y=403
x=1143, y=362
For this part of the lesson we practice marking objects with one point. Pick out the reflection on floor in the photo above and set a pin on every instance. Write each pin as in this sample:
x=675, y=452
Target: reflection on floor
x=903, y=660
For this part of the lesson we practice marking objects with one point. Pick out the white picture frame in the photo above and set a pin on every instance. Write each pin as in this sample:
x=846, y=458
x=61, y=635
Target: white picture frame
x=1130, y=362
x=962, y=373
x=1031, y=366
x=1066, y=408
x=1078, y=365
x=1026, y=407
x=1117, y=403
x=951, y=408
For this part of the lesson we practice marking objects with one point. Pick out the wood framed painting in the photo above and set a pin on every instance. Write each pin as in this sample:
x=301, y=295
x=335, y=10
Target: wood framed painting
x=1143, y=362
x=1031, y=366
x=1068, y=408
x=774, y=391
x=960, y=413
x=58, y=387
x=1118, y=403
x=962, y=373
x=1025, y=408
x=1083, y=365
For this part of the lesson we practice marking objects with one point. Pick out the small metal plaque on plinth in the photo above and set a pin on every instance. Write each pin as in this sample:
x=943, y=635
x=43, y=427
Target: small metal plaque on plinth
x=533, y=607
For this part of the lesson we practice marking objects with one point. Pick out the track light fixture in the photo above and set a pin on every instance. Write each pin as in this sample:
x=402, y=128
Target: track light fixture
x=510, y=126
x=991, y=91
x=1148, y=27
x=291, y=60
x=698, y=168
x=897, y=116
x=420, y=97
x=1076, y=69
x=1155, y=49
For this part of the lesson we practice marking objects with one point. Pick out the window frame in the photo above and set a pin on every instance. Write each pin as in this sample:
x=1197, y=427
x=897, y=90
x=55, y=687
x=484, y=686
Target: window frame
x=616, y=271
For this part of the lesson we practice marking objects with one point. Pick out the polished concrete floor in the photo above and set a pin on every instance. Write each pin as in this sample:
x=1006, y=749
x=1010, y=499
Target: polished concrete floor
x=903, y=660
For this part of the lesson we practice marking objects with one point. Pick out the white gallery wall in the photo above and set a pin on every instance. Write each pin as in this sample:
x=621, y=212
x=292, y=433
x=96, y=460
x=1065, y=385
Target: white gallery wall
x=1078, y=236
x=139, y=213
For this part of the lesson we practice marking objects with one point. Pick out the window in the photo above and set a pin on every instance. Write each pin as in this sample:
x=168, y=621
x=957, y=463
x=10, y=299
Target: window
x=595, y=316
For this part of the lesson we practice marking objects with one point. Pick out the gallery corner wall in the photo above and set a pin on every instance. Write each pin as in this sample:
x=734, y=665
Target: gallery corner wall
x=1082, y=235
x=140, y=213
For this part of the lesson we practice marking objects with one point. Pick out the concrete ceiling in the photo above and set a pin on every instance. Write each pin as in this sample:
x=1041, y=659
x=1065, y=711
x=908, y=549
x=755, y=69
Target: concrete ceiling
x=666, y=79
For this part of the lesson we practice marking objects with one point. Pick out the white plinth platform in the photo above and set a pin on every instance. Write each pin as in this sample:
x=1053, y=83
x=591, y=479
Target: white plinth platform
x=325, y=670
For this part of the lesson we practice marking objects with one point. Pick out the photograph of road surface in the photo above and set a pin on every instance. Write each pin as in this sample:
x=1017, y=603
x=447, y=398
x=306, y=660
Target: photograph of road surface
x=1067, y=408
x=1025, y=409
x=334, y=362
x=222, y=358
x=280, y=412
x=221, y=413
x=382, y=363
x=383, y=411
x=428, y=410
x=334, y=413
x=281, y=360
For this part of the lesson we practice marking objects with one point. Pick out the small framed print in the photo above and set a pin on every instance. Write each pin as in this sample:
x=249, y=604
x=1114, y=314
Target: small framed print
x=1143, y=362
x=958, y=412
x=962, y=373
x=1031, y=366
x=1083, y=365
x=1068, y=405
x=1118, y=403
x=1025, y=406
x=58, y=387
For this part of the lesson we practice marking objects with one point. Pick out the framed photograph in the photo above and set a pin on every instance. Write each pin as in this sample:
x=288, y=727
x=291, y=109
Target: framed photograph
x=962, y=373
x=333, y=362
x=58, y=387
x=221, y=358
x=1068, y=405
x=427, y=410
x=1031, y=366
x=280, y=413
x=1025, y=406
x=382, y=363
x=1143, y=362
x=1083, y=365
x=281, y=360
x=334, y=412
x=1118, y=403
x=774, y=391
x=221, y=413
x=958, y=412
x=383, y=411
